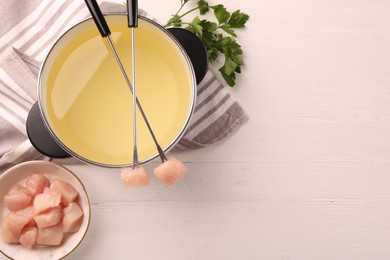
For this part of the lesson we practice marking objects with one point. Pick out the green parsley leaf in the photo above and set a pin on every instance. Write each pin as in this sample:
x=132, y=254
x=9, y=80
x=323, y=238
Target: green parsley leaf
x=213, y=53
x=175, y=21
x=214, y=37
x=230, y=79
x=228, y=46
x=229, y=66
x=227, y=28
x=203, y=6
x=198, y=29
x=238, y=19
x=208, y=30
x=221, y=13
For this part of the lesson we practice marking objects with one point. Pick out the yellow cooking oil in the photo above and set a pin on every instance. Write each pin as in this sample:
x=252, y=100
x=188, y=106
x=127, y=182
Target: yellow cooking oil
x=88, y=104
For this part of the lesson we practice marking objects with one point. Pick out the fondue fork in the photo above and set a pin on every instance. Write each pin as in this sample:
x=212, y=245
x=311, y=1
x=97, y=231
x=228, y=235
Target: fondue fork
x=132, y=22
x=105, y=32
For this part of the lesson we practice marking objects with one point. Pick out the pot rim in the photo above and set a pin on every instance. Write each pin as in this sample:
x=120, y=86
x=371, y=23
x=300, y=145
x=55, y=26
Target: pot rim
x=156, y=155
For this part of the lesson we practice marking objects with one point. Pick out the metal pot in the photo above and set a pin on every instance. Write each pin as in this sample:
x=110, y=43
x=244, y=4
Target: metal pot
x=85, y=105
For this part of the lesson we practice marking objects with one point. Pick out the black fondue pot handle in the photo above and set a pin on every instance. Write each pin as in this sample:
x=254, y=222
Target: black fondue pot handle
x=98, y=17
x=195, y=50
x=132, y=13
x=40, y=137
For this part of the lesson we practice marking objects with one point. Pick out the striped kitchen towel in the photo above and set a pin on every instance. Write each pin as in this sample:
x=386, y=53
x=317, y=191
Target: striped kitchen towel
x=29, y=28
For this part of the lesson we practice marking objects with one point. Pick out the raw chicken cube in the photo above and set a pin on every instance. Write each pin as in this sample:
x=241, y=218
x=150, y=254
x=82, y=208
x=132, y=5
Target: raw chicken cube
x=50, y=217
x=46, y=200
x=17, y=188
x=134, y=177
x=51, y=236
x=17, y=198
x=47, y=190
x=12, y=227
x=29, y=213
x=36, y=183
x=73, y=217
x=170, y=171
x=29, y=236
x=68, y=193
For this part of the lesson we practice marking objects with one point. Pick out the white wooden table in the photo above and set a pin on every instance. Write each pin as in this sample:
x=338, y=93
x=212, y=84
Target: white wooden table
x=308, y=177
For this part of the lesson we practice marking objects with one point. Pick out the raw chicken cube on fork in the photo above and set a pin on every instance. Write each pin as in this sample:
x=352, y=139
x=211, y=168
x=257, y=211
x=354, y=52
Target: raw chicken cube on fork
x=134, y=177
x=170, y=171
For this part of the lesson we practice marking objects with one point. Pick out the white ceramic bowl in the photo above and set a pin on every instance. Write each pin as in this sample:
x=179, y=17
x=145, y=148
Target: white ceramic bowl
x=18, y=174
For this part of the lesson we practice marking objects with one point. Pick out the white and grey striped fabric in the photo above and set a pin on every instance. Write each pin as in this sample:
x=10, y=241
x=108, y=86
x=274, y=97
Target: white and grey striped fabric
x=28, y=28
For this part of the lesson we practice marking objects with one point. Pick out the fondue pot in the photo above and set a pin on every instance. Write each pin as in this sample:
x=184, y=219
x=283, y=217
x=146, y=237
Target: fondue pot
x=84, y=105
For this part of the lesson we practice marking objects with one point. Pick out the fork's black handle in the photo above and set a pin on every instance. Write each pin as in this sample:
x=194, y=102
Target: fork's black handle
x=98, y=17
x=132, y=13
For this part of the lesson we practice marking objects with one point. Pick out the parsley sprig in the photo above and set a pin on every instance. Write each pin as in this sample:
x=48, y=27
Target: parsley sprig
x=219, y=37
